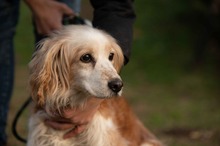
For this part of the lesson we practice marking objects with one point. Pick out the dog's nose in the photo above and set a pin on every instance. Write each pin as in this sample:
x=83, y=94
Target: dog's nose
x=115, y=85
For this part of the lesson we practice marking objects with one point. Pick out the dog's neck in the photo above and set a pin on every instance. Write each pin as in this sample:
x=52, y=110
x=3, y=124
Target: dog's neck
x=75, y=99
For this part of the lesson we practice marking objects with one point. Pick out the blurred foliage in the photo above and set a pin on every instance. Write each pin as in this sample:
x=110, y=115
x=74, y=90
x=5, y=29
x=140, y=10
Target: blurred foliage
x=169, y=36
x=24, y=38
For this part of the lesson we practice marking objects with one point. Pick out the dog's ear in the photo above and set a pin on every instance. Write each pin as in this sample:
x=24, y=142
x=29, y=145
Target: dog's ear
x=49, y=71
x=118, y=60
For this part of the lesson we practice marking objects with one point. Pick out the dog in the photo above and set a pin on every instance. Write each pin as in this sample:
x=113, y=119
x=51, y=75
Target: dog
x=70, y=66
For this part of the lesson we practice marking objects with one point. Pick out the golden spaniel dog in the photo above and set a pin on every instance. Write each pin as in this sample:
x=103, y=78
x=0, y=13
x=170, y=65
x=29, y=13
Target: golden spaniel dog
x=70, y=66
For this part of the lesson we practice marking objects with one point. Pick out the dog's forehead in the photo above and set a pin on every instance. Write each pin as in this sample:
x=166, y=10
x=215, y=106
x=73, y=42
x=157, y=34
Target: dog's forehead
x=88, y=34
x=92, y=40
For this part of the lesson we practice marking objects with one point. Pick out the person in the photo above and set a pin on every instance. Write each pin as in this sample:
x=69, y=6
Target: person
x=9, y=18
x=113, y=16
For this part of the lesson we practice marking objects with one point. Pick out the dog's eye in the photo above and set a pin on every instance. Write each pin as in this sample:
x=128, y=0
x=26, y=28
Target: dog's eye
x=86, y=58
x=111, y=56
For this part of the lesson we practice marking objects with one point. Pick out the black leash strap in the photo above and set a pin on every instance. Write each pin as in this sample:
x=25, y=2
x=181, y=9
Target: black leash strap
x=15, y=121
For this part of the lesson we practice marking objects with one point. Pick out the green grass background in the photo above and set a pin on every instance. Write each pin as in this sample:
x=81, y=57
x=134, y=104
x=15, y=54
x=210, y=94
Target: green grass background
x=176, y=100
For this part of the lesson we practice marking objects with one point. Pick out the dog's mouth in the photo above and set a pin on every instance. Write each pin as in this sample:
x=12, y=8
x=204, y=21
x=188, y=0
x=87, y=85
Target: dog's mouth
x=112, y=95
x=112, y=88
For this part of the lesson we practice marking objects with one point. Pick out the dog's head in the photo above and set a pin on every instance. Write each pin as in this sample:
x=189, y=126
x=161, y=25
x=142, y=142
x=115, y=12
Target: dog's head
x=74, y=62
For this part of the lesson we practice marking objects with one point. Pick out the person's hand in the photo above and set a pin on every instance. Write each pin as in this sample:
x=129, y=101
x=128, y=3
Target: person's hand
x=48, y=14
x=75, y=119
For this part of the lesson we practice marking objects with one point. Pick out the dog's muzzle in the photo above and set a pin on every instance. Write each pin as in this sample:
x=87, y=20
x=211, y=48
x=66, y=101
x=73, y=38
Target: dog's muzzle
x=115, y=85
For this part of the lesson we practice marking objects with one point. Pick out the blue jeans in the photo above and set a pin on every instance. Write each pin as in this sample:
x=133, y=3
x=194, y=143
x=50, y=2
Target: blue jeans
x=8, y=18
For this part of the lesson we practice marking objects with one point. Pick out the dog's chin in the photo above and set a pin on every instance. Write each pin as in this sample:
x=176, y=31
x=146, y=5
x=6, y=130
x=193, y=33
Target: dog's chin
x=101, y=94
x=107, y=96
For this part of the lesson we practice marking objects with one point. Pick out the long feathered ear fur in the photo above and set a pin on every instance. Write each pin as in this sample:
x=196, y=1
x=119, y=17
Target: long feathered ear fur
x=49, y=71
x=118, y=60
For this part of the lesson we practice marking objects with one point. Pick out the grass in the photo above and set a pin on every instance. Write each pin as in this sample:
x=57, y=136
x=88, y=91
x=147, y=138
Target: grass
x=179, y=102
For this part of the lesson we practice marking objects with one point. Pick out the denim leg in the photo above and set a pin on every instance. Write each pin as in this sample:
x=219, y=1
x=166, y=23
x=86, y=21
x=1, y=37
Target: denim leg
x=6, y=80
x=8, y=17
x=75, y=5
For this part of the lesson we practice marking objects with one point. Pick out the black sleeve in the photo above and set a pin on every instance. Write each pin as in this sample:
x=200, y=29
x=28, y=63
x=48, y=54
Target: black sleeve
x=116, y=17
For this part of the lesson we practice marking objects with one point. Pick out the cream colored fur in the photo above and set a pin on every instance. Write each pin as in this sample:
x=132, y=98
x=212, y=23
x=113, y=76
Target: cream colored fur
x=100, y=132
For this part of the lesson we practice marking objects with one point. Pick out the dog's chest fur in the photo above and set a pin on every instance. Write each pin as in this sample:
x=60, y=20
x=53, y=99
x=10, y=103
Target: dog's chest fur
x=100, y=132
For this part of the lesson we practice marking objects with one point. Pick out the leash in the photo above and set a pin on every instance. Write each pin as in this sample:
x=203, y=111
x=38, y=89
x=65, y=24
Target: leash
x=15, y=121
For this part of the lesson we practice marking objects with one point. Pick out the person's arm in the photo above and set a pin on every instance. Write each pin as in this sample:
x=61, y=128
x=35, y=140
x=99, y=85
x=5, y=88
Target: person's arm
x=48, y=14
x=116, y=17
